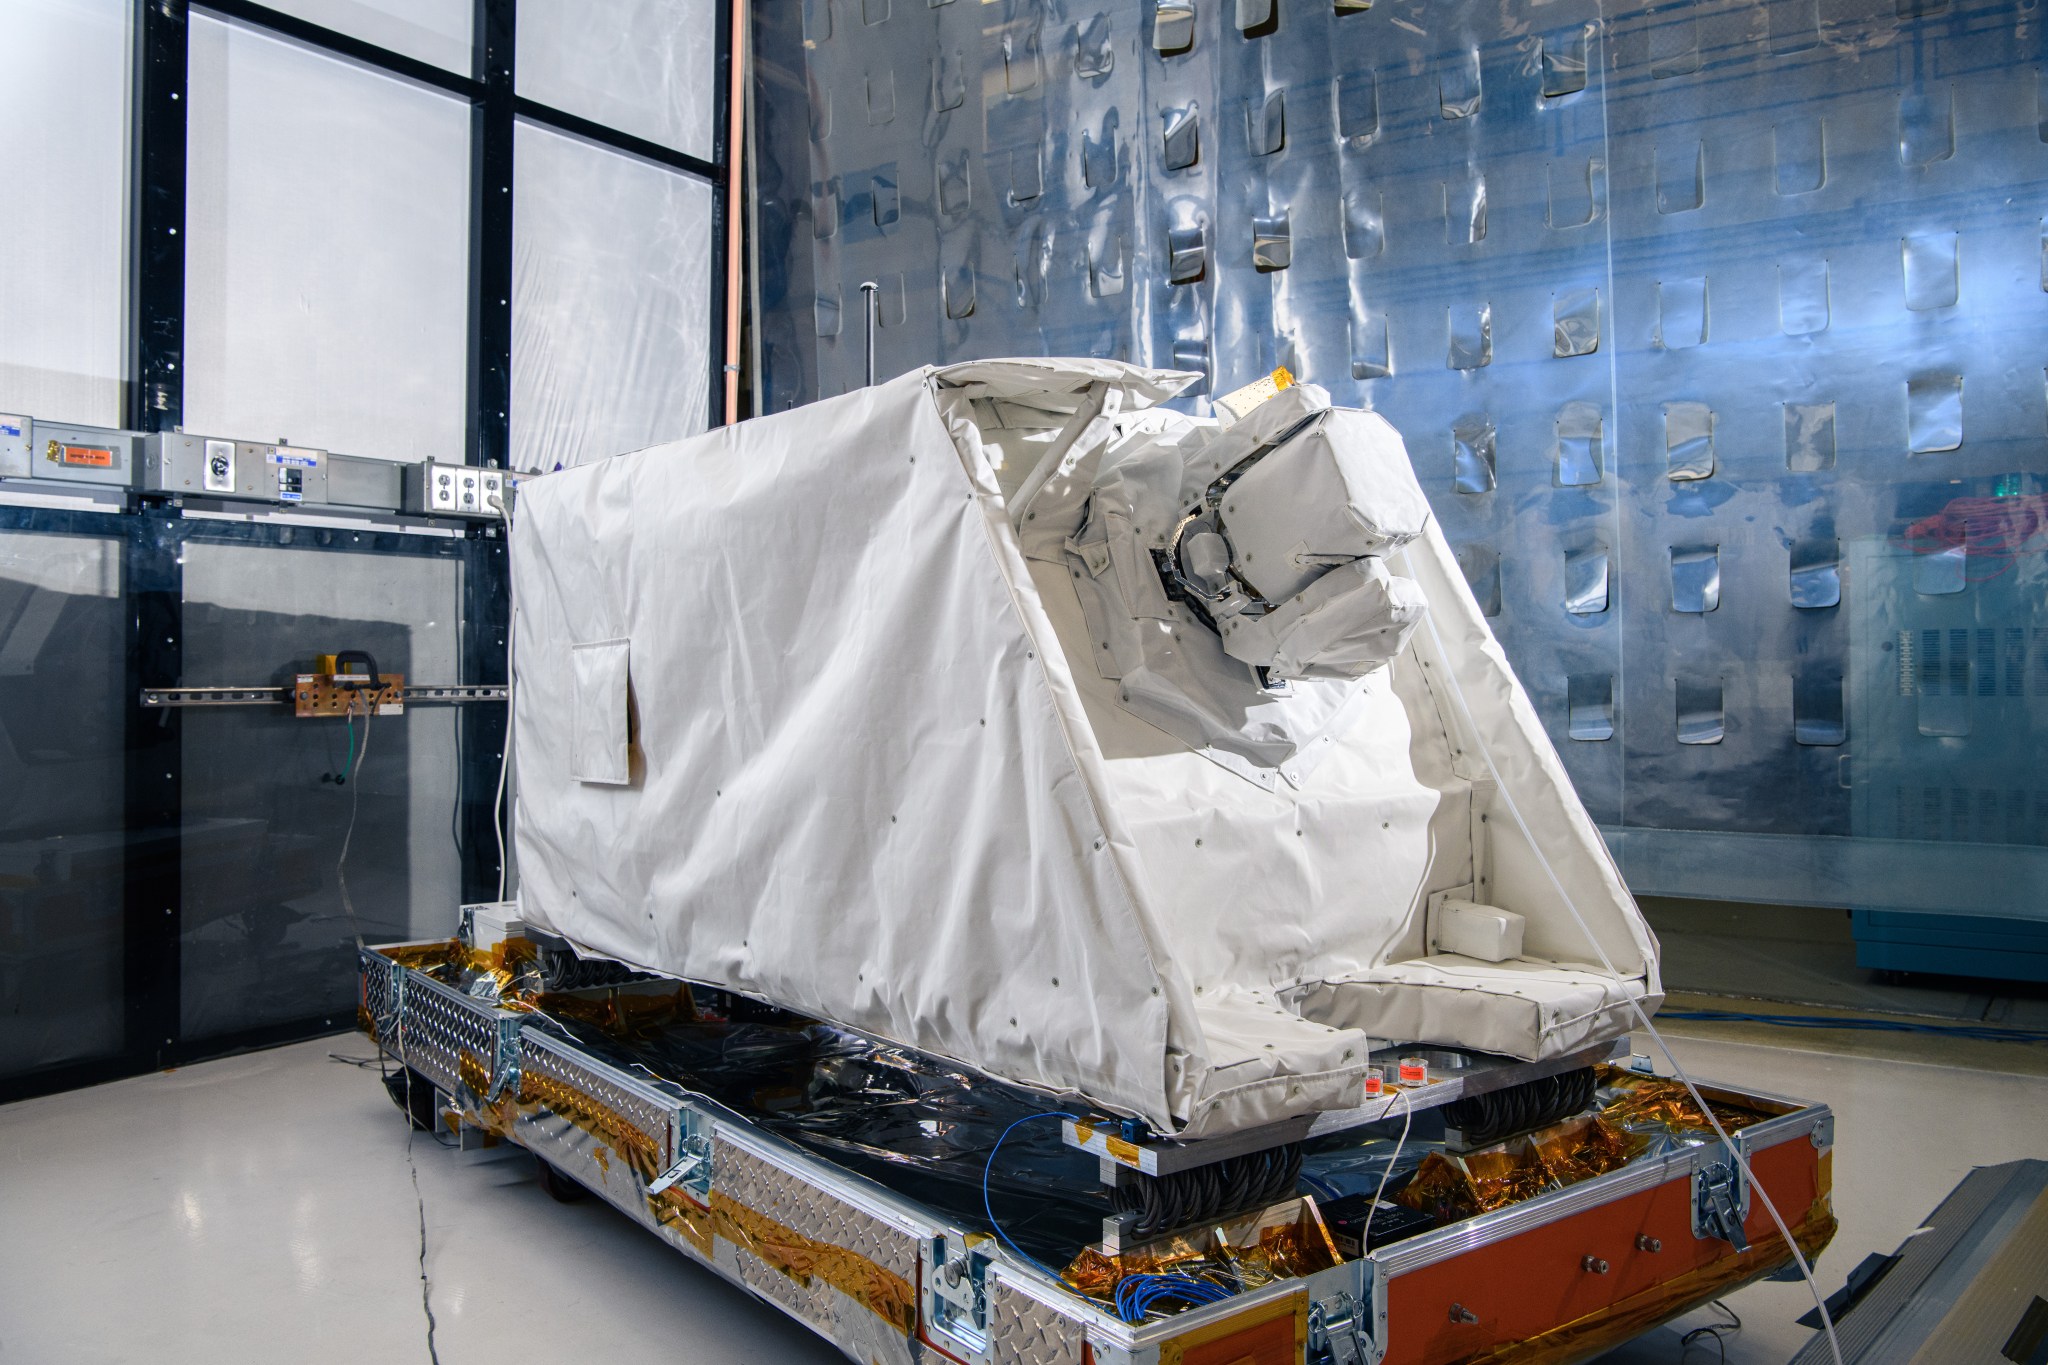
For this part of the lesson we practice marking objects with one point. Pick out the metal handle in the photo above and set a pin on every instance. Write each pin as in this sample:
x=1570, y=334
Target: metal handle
x=872, y=292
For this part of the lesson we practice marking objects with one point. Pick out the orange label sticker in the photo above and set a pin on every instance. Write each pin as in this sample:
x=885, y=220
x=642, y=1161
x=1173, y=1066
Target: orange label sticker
x=98, y=457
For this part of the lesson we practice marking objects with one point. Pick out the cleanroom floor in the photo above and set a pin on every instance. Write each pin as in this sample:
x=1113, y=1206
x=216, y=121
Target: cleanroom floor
x=274, y=1207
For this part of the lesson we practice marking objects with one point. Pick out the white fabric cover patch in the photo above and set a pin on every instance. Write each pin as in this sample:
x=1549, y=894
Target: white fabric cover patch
x=601, y=743
x=1352, y=620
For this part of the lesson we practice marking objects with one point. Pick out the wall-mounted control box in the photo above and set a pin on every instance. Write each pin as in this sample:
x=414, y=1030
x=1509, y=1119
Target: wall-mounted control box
x=16, y=433
x=358, y=481
x=17, y=436
x=441, y=490
x=202, y=466
x=77, y=454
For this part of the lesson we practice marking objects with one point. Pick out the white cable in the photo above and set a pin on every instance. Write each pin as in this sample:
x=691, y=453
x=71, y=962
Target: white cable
x=1634, y=1003
x=1407, y=1117
x=505, y=748
x=355, y=798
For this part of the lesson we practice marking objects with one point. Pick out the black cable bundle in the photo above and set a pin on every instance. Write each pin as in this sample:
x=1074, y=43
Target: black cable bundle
x=1204, y=1194
x=1486, y=1119
x=563, y=970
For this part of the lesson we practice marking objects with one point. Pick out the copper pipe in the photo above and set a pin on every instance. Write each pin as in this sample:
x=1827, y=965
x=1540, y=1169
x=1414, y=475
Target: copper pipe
x=735, y=150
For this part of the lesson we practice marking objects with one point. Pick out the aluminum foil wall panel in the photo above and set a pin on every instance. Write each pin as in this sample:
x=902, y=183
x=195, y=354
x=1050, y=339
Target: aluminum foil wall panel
x=1676, y=304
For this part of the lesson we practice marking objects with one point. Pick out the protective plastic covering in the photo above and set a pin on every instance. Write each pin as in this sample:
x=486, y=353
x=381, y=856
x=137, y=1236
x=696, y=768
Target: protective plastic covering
x=608, y=327
x=646, y=67
x=437, y=31
x=881, y=767
x=327, y=250
x=63, y=153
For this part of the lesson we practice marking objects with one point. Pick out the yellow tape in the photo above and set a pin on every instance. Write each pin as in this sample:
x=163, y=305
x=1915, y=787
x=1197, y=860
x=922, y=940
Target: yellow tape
x=1116, y=1147
x=804, y=1259
x=1174, y=1350
x=801, y=1258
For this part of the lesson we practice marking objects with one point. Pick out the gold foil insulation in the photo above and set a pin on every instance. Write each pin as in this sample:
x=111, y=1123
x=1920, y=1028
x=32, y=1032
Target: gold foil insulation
x=613, y=1130
x=501, y=963
x=1635, y=1111
x=1642, y=1103
x=876, y=1288
x=424, y=957
x=1449, y=1186
x=622, y=1013
x=1284, y=1242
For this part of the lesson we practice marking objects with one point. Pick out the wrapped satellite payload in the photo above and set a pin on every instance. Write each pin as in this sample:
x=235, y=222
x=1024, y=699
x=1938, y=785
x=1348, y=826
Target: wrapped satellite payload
x=1001, y=713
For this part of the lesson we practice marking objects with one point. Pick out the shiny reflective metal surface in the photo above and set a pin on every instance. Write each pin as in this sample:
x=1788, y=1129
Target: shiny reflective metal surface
x=1670, y=300
x=466, y=1048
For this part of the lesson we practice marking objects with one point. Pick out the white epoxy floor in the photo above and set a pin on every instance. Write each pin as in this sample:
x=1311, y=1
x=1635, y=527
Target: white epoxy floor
x=264, y=1208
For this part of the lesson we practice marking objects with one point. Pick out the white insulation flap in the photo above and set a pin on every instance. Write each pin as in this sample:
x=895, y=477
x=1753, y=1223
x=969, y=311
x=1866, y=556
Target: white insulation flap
x=896, y=710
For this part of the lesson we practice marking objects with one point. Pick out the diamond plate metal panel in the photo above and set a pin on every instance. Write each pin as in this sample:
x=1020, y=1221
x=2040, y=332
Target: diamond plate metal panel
x=768, y=1189
x=638, y=1123
x=455, y=1042
x=377, y=1015
x=1630, y=279
x=840, y=1270
x=1023, y=1330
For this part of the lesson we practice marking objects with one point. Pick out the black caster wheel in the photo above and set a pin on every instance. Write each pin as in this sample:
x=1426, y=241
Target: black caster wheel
x=560, y=1187
x=414, y=1096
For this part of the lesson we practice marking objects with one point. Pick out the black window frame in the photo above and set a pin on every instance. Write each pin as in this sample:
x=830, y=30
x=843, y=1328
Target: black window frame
x=152, y=530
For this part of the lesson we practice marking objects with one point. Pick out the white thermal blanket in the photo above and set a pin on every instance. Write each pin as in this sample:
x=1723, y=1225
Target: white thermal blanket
x=795, y=715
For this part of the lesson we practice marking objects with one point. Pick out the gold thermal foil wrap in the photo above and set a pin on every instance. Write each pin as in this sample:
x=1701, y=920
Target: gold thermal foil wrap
x=804, y=1259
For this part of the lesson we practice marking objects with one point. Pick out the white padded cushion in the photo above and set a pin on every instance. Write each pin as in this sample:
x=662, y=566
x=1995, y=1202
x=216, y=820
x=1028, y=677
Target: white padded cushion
x=1520, y=1008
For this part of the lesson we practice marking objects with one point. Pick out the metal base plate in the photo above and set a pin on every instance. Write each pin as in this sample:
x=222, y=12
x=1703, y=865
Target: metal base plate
x=1454, y=1074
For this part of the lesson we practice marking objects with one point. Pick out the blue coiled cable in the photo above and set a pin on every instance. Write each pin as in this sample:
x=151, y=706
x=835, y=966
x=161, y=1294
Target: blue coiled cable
x=989, y=1167
x=1136, y=1295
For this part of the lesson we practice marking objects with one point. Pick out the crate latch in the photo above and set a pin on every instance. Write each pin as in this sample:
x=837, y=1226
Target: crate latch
x=692, y=1168
x=1335, y=1331
x=956, y=1292
x=505, y=1067
x=1720, y=1198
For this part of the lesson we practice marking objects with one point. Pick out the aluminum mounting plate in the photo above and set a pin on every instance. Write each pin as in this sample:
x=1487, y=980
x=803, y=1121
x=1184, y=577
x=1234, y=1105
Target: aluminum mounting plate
x=1454, y=1074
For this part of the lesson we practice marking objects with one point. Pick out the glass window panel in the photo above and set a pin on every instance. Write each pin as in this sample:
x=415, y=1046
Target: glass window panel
x=267, y=937
x=63, y=712
x=645, y=67
x=64, y=156
x=327, y=271
x=611, y=332
x=436, y=31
